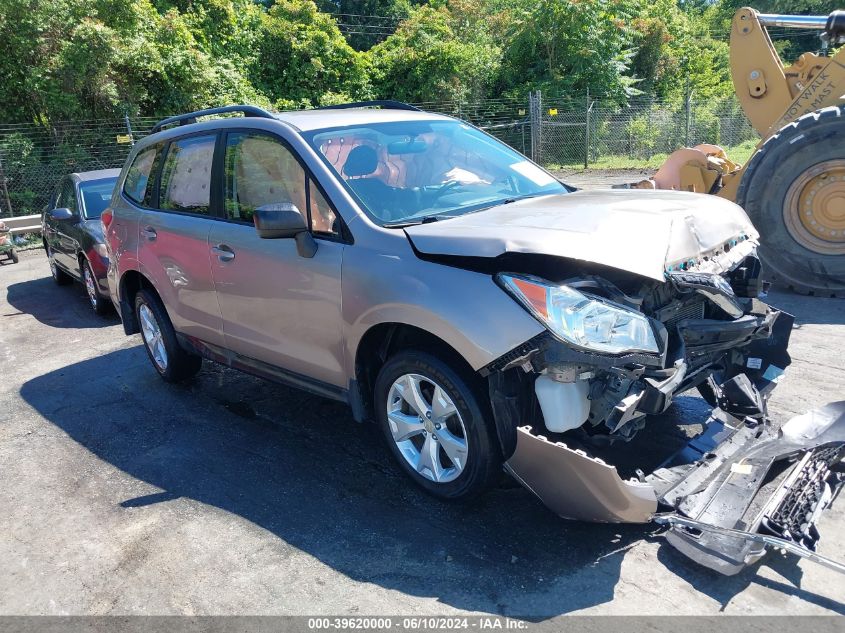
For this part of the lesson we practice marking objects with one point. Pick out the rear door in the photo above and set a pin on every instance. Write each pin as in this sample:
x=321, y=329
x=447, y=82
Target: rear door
x=137, y=193
x=173, y=248
x=277, y=306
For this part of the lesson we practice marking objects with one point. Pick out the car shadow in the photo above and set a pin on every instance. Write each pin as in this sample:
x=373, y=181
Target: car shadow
x=56, y=306
x=299, y=467
x=723, y=588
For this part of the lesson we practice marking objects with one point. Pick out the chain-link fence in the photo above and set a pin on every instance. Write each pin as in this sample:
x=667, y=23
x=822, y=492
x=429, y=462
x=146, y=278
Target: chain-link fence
x=600, y=134
x=34, y=157
x=555, y=131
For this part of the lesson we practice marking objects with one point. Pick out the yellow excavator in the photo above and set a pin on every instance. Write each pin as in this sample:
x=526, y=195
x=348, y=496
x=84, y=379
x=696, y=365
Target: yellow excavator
x=793, y=186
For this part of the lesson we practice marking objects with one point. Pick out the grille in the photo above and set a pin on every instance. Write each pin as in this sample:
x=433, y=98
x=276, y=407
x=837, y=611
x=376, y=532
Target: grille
x=792, y=518
x=692, y=310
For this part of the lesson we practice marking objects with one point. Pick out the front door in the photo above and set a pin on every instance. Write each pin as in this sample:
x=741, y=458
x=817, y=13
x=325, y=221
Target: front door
x=63, y=242
x=173, y=249
x=277, y=306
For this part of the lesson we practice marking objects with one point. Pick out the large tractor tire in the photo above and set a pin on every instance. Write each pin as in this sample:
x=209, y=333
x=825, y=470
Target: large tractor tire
x=794, y=192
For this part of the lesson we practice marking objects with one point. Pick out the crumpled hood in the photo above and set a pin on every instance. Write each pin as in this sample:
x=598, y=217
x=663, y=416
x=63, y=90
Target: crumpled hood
x=644, y=232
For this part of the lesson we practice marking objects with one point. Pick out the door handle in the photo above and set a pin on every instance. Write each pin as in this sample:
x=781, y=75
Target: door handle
x=223, y=252
x=149, y=232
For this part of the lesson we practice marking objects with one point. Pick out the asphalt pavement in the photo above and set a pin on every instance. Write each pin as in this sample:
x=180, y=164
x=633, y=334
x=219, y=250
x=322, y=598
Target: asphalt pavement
x=120, y=494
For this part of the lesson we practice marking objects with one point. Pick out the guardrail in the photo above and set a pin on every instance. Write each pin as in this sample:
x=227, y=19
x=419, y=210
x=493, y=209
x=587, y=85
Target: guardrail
x=23, y=224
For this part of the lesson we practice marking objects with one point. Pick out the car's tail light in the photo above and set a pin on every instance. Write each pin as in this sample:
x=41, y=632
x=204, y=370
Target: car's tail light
x=105, y=219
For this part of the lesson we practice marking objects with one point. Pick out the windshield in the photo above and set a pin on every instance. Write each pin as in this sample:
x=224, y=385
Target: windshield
x=404, y=172
x=96, y=196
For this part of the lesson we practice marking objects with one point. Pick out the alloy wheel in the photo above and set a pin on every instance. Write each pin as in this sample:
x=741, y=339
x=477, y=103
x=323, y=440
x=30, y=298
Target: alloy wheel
x=427, y=428
x=153, y=339
x=90, y=285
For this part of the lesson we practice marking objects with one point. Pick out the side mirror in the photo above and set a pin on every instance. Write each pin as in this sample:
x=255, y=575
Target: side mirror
x=62, y=214
x=273, y=221
x=284, y=220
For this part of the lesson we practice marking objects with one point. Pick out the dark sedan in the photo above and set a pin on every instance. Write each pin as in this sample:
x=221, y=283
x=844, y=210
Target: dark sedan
x=73, y=235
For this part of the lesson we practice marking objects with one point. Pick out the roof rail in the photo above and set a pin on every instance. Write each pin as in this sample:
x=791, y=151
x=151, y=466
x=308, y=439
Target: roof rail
x=191, y=117
x=388, y=104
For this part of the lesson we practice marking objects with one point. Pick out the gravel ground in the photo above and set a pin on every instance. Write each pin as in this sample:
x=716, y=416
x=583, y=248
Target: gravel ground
x=123, y=495
x=602, y=178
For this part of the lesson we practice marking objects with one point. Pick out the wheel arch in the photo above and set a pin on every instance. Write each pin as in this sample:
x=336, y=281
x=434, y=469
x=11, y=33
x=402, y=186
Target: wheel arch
x=130, y=283
x=383, y=340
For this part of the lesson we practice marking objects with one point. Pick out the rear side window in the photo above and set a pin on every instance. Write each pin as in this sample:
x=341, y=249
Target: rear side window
x=186, y=175
x=137, y=186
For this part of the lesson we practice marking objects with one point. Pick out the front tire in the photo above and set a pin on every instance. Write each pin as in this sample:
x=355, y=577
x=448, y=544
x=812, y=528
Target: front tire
x=171, y=362
x=432, y=416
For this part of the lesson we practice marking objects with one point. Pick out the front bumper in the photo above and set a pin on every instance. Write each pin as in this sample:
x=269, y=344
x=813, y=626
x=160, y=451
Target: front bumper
x=739, y=486
x=755, y=482
x=740, y=480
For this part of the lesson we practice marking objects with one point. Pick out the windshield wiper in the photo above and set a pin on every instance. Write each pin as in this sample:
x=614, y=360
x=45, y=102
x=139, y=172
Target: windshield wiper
x=522, y=197
x=426, y=219
x=498, y=203
x=435, y=217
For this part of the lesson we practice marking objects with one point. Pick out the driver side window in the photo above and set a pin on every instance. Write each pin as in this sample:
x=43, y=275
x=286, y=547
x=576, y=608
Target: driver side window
x=261, y=170
x=67, y=196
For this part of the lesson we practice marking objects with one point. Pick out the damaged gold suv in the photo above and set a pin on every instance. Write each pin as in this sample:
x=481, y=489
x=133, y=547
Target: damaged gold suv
x=482, y=313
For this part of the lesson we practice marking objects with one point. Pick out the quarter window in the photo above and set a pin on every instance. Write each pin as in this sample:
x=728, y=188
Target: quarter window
x=323, y=217
x=137, y=185
x=186, y=175
x=261, y=170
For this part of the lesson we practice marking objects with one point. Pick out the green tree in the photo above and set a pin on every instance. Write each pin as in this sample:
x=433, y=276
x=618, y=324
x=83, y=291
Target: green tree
x=301, y=57
x=568, y=47
x=367, y=22
x=676, y=53
x=71, y=59
x=436, y=55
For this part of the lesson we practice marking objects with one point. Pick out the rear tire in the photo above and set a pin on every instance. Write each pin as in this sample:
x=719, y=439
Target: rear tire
x=59, y=276
x=464, y=460
x=14, y=256
x=100, y=304
x=171, y=362
x=773, y=193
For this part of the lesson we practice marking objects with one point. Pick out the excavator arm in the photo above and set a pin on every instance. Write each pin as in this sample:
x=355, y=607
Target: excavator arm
x=773, y=95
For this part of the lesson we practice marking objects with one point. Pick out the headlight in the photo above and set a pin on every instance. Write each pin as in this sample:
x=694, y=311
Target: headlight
x=581, y=320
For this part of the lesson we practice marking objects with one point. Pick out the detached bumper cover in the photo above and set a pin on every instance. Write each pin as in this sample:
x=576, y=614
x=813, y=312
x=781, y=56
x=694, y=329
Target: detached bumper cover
x=742, y=476
x=756, y=480
x=577, y=486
